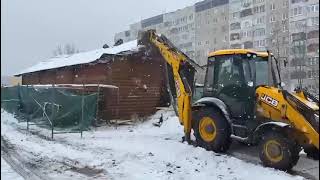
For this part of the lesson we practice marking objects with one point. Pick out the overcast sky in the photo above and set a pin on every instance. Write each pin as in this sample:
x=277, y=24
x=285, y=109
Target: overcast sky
x=32, y=29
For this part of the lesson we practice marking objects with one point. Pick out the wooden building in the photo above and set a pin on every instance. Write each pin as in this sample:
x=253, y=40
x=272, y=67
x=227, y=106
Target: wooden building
x=131, y=81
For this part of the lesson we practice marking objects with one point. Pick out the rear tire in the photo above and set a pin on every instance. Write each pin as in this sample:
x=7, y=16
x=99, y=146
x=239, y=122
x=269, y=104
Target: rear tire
x=216, y=137
x=278, y=151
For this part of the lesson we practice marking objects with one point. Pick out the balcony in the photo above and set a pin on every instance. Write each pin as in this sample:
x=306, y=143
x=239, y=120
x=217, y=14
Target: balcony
x=298, y=36
x=313, y=34
x=313, y=48
x=234, y=36
x=298, y=75
x=246, y=12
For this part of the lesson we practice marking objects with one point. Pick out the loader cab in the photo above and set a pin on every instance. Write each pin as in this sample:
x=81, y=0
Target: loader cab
x=264, y=61
x=231, y=77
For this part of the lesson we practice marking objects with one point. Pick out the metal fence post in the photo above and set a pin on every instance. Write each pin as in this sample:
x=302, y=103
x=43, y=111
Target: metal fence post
x=97, y=108
x=82, y=103
x=52, y=113
x=28, y=117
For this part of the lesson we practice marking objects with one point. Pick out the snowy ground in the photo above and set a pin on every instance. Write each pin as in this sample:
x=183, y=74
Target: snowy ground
x=139, y=152
x=7, y=172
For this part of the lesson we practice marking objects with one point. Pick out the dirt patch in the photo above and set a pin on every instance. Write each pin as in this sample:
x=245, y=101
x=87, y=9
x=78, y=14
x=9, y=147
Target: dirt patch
x=88, y=171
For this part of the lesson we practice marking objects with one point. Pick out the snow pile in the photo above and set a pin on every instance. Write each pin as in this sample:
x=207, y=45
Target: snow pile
x=140, y=151
x=80, y=58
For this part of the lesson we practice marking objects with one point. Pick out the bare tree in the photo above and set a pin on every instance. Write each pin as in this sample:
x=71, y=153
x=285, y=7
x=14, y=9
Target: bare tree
x=299, y=55
x=67, y=49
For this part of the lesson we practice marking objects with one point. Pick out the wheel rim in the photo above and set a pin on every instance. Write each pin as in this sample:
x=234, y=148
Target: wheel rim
x=273, y=151
x=207, y=129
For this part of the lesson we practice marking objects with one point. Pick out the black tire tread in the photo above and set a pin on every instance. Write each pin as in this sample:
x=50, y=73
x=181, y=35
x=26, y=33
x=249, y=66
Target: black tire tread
x=223, y=140
x=290, y=149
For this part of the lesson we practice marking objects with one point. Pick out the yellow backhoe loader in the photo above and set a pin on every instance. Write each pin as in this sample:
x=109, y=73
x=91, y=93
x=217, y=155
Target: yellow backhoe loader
x=243, y=100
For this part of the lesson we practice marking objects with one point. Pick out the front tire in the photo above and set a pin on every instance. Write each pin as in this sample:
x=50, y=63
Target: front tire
x=278, y=151
x=211, y=130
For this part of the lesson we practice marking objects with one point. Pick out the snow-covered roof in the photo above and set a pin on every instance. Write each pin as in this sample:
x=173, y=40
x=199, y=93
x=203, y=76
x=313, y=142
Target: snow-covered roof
x=79, y=58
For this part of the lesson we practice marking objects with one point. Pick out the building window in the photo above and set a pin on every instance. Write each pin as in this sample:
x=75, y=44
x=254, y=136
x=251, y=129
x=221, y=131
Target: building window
x=284, y=28
x=260, y=20
x=235, y=15
x=313, y=34
x=285, y=52
x=248, y=44
x=313, y=61
x=284, y=16
x=257, y=1
x=313, y=21
x=246, y=12
x=246, y=3
x=284, y=40
x=273, y=6
x=313, y=8
x=236, y=25
x=234, y=36
x=247, y=24
x=262, y=9
x=272, y=19
x=297, y=11
x=313, y=47
x=313, y=74
x=256, y=43
x=262, y=43
x=297, y=1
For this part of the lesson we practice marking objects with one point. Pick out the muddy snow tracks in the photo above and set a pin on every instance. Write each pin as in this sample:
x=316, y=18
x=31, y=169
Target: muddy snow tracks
x=18, y=163
x=35, y=167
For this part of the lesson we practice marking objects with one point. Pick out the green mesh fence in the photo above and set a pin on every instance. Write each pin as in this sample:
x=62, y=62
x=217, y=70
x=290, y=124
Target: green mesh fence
x=60, y=108
x=10, y=100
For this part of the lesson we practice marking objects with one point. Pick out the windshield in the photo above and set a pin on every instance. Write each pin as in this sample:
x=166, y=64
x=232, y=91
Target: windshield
x=261, y=71
x=225, y=70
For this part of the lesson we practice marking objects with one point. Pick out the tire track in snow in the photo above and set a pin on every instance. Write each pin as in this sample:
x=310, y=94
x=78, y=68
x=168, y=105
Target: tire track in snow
x=18, y=164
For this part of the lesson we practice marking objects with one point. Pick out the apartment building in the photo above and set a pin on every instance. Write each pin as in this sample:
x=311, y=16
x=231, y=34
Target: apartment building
x=211, y=31
x=248, y=21
x=277, y=32
x=124, y=35
x=289, y=28
x=304, y=43
x=178, y=26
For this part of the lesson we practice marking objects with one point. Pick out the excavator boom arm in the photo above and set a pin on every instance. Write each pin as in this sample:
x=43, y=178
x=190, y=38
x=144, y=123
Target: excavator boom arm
x=182, y=68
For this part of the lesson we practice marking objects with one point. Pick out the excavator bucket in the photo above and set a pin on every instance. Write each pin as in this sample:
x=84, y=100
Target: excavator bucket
x=144, y=39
